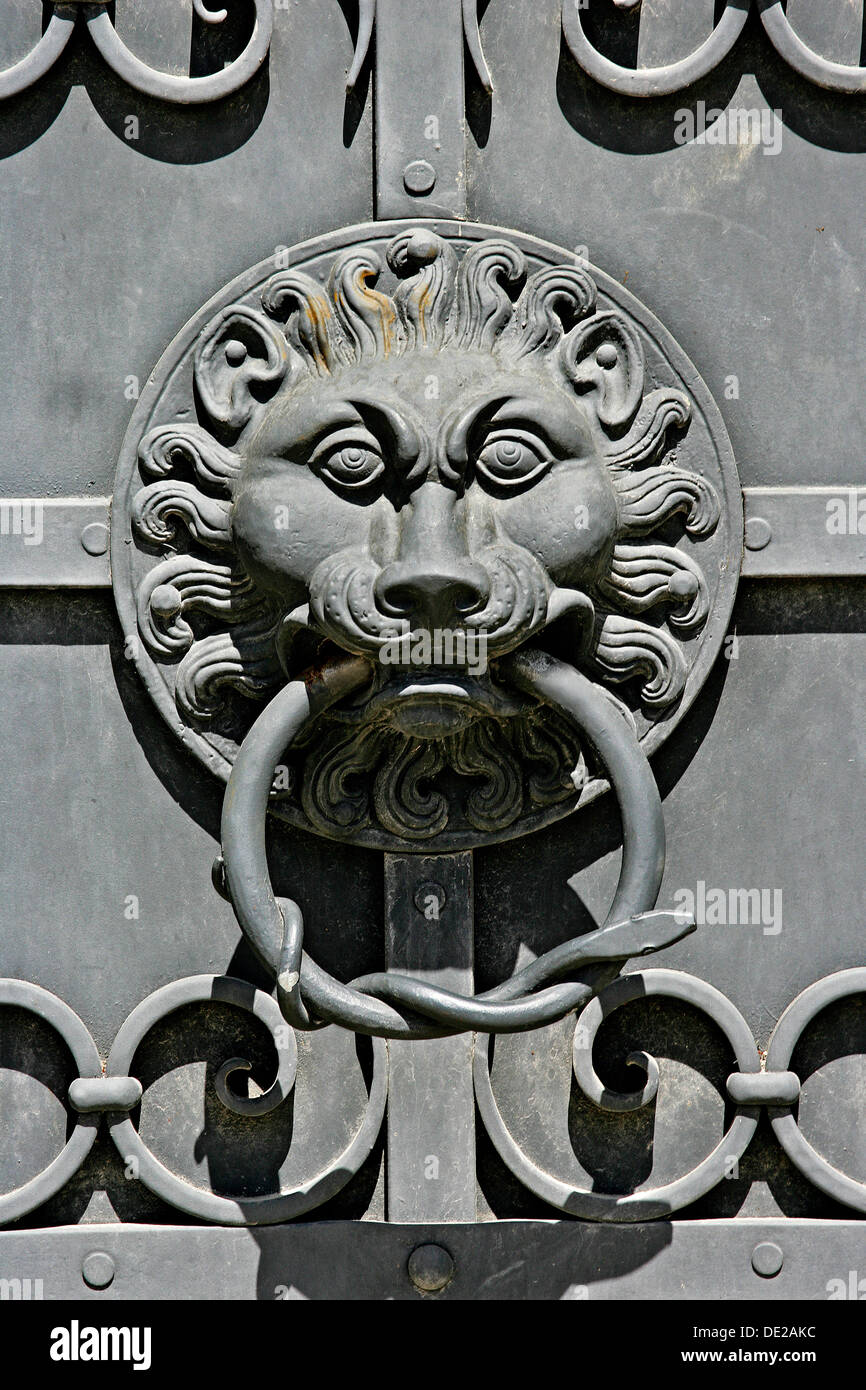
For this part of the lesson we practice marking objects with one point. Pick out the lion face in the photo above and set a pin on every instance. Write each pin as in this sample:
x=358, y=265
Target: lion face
x=426, y=507
x=429, y=477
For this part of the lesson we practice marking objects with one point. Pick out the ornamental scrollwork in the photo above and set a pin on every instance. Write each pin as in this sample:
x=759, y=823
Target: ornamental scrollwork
x=116, y=1093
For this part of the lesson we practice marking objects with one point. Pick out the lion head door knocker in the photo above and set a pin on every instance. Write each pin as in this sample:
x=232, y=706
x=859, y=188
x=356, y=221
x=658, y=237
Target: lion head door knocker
x=425, y=536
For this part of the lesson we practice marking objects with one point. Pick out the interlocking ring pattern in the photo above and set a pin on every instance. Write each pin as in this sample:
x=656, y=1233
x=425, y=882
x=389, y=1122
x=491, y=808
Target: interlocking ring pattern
x=674, y=77
x=749, y=1087
x=139, y=75
x=120, y=1094
x=636, y=82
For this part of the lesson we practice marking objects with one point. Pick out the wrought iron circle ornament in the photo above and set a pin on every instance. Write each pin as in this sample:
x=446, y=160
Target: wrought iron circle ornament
x=143, y=78
x=169, y=87
x=787, y=1033
x=425, y=444
x=658, y=81
x=643, y=1204
x=41, y=58
x=214, y=1206
x=117, y=1093
x=835, y=77
x=21, y=994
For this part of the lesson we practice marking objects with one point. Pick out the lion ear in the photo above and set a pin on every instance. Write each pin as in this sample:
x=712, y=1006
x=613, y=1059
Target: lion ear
x=241, y=360
x=604, y=356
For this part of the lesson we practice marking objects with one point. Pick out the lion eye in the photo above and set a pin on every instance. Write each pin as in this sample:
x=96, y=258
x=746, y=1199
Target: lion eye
x=513, y=458
x=350, y=461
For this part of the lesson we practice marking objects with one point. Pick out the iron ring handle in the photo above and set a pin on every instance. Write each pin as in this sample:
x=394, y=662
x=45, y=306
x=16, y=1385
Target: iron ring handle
x=275, y=927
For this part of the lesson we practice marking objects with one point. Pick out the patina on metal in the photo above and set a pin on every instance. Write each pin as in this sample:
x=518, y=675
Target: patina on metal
x=425, y=536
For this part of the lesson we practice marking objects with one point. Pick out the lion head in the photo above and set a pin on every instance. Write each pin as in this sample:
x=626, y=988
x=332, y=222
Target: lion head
x=429, y=475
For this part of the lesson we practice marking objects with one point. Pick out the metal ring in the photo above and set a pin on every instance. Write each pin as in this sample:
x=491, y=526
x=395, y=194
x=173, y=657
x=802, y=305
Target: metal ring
x=43, y=56
x=20, y=994
x=658, y=1201
x=275, y=928
x=170, y=87
x=212, y=1206
x=786, y=1035
x=835, y=77
x=654, y=82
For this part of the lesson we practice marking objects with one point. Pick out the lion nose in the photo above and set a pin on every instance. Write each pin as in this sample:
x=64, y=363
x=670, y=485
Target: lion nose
x=432, y=580
x=436, y=595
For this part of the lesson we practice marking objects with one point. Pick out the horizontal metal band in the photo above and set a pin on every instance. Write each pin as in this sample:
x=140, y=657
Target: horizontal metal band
x=764, y=1088
x=54, y=543
x=519, y=1260
x=791, y=533
x=805, y=532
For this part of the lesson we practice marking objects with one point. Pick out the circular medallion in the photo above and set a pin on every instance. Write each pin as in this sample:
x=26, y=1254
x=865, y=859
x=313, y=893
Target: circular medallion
x=429, y=444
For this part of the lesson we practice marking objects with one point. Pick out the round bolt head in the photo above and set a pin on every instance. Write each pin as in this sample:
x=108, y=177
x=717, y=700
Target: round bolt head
x=767, y=1259
x=97, y=1270
x=683, y=585
x=94, y=538
x=430, y=1268
x=758, y=533
x=419, y=178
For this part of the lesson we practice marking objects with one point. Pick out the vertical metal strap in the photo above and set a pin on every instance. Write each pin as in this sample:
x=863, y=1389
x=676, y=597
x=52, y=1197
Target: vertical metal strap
x=420, y=122
x=431, y=1107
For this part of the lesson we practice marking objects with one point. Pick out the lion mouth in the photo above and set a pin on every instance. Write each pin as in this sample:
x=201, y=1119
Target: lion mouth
x=437, y=703
x=430, y=702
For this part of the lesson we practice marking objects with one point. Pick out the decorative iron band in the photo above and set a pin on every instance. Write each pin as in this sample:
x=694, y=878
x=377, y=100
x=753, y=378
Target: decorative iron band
x=636, y=82
x=675, y=77
x=123, y=62
x=117, y=1092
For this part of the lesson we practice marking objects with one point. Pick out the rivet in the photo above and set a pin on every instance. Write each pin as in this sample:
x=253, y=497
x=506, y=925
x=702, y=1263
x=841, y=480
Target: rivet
x=767, y=1259
x=430, y=1268
x=758, y=533
x=236, y=352
x=166, y=601
x=427, y=890
x=94, y=538
x=419, y=178
x=97, y=1270
x=683, y=584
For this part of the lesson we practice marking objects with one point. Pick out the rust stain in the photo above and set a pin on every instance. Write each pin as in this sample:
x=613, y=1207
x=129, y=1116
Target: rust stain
x=424, y=301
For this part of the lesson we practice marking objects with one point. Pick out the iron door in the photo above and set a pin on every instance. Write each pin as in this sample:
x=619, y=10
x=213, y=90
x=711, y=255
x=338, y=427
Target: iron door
x=432, y=546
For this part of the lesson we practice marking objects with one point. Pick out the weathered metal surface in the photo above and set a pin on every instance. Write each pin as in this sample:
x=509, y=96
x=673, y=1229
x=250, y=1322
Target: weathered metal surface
x=429, y=935
x=805, y=533
x=54, y=543
x=420, y=127
x=649, y=1095
x=503, y=1260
